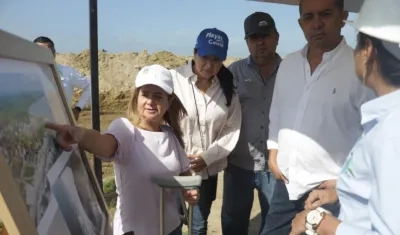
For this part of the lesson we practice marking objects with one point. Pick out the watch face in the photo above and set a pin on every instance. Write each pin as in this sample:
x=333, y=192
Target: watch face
x=313, y=217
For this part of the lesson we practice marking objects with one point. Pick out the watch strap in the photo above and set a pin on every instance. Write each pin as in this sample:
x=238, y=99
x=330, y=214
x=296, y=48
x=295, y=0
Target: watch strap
x=320, y=209
x=310, y=232
x=312, y=228
x=309, y=226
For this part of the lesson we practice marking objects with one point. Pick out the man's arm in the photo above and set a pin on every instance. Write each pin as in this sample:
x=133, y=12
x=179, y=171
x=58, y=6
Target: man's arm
x=274, y=119
x=82, y=83
x=274, y=127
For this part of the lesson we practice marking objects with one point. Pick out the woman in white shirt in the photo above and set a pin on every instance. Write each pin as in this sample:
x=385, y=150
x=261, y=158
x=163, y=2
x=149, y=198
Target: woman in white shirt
x=140, y=149
x=368, y=188
x=211, y=128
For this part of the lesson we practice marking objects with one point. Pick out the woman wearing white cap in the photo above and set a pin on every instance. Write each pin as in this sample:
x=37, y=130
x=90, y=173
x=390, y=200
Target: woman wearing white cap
x=212, y=126
x=368, y=188
x=140, y=149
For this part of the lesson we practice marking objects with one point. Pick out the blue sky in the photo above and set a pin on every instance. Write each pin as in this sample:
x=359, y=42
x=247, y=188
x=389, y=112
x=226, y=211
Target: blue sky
x=134, y=25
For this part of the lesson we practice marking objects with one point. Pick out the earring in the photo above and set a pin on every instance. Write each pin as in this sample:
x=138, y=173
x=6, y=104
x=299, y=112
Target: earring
x=364, y=75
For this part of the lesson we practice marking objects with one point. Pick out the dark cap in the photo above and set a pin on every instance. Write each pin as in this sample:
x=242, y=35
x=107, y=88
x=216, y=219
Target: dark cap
x=258, y=23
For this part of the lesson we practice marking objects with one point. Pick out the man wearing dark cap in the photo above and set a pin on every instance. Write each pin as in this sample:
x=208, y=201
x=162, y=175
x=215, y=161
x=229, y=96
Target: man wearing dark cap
x=247, y=165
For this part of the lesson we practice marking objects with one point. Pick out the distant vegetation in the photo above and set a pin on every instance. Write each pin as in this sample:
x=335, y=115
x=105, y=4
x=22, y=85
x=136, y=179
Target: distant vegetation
x=16, y=106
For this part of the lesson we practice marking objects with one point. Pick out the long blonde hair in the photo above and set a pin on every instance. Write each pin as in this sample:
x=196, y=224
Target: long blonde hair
x=172, y=117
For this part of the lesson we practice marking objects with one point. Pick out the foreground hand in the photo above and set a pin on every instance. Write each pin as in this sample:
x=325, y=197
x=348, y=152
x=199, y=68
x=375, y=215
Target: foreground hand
x=273, y=167
x=191, y=196
x=320, y=197
x=299, y=223
x=197, y=163
x=66, y=135
x=329, y=184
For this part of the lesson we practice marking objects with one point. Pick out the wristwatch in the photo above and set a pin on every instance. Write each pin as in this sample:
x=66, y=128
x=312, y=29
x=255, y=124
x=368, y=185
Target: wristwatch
x=314, y=218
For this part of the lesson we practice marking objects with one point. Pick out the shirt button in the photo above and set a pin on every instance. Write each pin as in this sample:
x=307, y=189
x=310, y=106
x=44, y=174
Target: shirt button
x=264, y=98
x=263, y=112
x=262, y=127
x=262, y=141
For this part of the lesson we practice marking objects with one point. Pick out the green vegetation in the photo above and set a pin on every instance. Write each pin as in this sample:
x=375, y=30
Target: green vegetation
x=29, y=172
x=109, y=185
x=15, y=106
x=109, y=194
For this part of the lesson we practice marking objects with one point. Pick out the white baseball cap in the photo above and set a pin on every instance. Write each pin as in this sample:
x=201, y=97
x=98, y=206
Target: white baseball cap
x=379, y=19
x=155, y=75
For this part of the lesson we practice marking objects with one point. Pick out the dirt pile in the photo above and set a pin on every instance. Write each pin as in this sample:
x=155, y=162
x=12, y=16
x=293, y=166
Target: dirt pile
x=117, y=72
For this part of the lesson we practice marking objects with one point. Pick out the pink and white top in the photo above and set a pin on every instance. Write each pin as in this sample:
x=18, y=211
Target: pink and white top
x=140, y=155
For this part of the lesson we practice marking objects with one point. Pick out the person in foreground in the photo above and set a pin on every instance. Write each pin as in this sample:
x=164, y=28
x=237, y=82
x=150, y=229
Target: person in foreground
x=247, y=164
x=70, y=79
x=313, y=129
x=367, y=187
x=140, y=149
x=211, y=128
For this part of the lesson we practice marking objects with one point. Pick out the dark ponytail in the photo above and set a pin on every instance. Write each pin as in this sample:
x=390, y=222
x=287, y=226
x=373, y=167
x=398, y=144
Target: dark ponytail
x=225, y=78
x=389, y=64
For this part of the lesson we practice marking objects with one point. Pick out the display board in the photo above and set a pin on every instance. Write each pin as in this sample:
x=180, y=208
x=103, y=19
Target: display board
x=43, y=190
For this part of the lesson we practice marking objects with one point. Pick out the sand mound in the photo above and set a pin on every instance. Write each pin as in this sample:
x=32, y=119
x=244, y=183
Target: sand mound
x=118, y=71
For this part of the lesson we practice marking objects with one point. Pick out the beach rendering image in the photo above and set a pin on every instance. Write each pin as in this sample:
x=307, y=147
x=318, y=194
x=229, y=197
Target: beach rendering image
x=28, y=148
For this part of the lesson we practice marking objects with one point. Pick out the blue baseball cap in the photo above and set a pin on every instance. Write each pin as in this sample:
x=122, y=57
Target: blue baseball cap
x=212, y=42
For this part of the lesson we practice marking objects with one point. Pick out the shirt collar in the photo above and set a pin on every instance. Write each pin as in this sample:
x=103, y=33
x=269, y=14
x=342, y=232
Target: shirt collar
x=327, y=55
x=379, y=107
x=251, y=62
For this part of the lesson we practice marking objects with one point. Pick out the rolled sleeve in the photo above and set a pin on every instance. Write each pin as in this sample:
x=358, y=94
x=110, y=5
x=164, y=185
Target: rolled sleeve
x=122, y=130
x=228, y=137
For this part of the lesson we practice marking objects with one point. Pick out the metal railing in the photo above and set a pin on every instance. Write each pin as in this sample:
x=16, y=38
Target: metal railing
x=187, y=182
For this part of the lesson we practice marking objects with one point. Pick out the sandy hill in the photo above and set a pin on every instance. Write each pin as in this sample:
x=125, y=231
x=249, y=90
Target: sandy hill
x=118, y=71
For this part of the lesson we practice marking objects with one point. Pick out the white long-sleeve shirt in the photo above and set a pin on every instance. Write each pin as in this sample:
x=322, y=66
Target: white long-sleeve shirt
x=71, y=79
x=314, y=117
x=368, y=186
x=219, y=124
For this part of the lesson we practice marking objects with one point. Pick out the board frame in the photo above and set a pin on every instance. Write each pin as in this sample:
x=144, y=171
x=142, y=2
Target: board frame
x=14, y=214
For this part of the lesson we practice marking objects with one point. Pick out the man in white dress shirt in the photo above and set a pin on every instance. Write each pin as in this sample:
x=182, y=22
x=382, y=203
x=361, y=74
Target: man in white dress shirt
x=70, y=79
x=315, y=113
